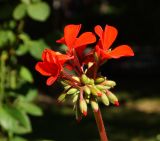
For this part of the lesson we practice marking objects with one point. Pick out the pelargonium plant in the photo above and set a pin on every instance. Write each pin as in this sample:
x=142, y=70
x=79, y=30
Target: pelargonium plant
x=77, y=69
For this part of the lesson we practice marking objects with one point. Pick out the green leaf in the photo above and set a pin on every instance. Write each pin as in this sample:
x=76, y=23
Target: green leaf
x=30, y=108
x=39, y=11
x=31, y=95
x=22, y=49
x=18, y=139
x=20, y=11
x=36, y=48
x=23, y=124
x=6, y=121
x=26, y=74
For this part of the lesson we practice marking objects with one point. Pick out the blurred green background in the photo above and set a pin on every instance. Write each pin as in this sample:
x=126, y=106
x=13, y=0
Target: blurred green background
x=28, y=108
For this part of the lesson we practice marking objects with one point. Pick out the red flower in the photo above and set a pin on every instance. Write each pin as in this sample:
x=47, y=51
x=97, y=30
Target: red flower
x=71, y=40
x=107, y=37
x=51, y=65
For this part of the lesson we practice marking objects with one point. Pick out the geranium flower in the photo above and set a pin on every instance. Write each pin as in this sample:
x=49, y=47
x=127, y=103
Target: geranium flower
x=51, y=65
x=107, y=37
x=71, y=40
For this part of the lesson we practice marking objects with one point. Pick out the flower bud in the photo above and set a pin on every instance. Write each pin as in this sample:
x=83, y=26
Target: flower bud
x=76, y=78
x=61, y=98
x=85, y=79
x=72, y=91
x=100, y=87
x=91, y=82
x=67, y=87
x=64, y=83
x=105, y=99
x=78, y=114
x=87, y=90
x=83, y=106
x=95, y=91
x=94, y=105
x=110, y=83
x=112, y=98
x=99, y=80
x=75, y=98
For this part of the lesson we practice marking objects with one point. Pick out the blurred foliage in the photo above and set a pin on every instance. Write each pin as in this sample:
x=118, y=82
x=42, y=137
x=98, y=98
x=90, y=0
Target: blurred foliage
x=15, y=104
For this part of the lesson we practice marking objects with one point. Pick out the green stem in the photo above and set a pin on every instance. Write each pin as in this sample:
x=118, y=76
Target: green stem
x=2, y=80
x=100, y=125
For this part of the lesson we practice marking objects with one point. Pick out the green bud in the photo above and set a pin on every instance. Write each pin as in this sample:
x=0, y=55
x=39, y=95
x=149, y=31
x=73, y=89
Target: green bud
x=75, y=98
x=91, y=82
x=87, y=90
x=61, y=98
x=112, y=98
x=94, y=105
x=85, y=79
x=78, y=113
x=67, y=87
x=72, y=91
x=95, y=91
x=76, y=78
x=83, y=107
x=64, y=83
x=99, y=80
x=105, y=99
x=100, y=87
x=110, y=83
x=87, y=100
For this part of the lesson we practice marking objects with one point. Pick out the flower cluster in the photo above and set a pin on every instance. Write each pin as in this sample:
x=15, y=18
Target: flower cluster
x=77, y=70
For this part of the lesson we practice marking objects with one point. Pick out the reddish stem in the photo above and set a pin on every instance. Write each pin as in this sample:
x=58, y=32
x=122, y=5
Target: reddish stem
x=100, y=125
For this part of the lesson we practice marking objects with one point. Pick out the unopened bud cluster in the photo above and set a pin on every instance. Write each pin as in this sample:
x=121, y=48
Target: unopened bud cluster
x=88, y=91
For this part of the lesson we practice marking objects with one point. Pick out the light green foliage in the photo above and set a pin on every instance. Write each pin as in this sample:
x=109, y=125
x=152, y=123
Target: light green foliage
x=20, y=11
x=15, y=104
x=38, y=11
x=26, y=74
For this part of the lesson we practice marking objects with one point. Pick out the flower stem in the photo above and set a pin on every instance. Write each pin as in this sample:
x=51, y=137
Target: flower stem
x=100, y=124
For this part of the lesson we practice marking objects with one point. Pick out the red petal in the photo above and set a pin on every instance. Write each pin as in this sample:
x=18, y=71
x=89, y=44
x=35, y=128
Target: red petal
x=49, y=56
x=84, y=39
x=99, y=31
x=121, y=51
x=47, y=69
x=110, y=34
x=61, y=41
x=51, y=80
x=70, y=34
x=43, y=68
x=62, y=58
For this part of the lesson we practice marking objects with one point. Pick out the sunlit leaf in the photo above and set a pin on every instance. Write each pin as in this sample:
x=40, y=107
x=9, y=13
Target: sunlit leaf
x=22, y=49
x=30, y=108
x=31, y=95
x=26, y=74
x=39, y=11
x=23, y=124
x=20, y=11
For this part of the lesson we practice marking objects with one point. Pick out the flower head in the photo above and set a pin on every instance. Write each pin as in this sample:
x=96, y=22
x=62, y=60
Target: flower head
x=51, y=65
x=107, y=37
x=71, y=40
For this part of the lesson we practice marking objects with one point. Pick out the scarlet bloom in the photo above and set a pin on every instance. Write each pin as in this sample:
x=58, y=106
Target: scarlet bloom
x=107, y=37
x=71, y=40
x=51, y=65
